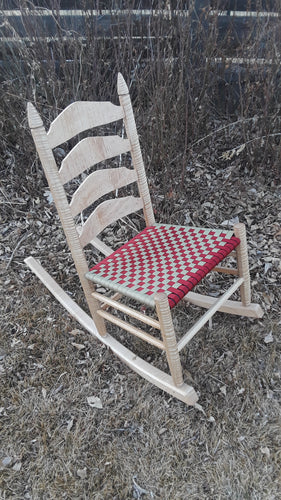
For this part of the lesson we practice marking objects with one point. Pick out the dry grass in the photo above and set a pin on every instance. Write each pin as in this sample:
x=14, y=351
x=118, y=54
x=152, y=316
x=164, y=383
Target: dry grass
x=141, y=438
x=142, y=443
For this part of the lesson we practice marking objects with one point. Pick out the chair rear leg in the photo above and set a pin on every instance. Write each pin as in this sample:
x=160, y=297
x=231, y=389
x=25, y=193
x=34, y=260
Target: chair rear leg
x=243, y=263
x=169, y=337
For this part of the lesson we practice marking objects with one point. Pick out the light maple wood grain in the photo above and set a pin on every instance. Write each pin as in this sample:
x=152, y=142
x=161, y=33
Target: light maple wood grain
x=133, y=137
x=106, y=213
x=169, y=337
x=127, y=310
x=211, y=311
x=131, y=329
x=98, y=184
x=243, y=263
x=116, y=296
x=229, y=307
x=226, y=270
x=80, y=116
x=101, y=246
x=89, y=152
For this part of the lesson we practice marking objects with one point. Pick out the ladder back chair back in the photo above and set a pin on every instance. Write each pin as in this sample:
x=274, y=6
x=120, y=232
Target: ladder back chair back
x=157, y=268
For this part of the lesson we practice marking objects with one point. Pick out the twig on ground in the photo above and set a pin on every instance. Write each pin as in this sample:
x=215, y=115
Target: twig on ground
x=141, y=491
x=24, y=237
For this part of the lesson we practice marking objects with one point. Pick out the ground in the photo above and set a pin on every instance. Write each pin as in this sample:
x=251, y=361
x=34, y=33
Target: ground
x=134, y=441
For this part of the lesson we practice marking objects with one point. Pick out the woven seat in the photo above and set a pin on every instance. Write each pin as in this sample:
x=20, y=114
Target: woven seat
x=158, y=268
x=163, y=258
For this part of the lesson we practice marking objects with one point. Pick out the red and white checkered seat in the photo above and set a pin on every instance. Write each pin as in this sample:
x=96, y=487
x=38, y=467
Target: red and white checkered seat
x=163, y=258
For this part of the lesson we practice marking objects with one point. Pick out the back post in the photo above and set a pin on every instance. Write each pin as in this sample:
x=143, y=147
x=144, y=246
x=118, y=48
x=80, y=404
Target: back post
x=243, y=263
x=51, y=171
x=132, y=134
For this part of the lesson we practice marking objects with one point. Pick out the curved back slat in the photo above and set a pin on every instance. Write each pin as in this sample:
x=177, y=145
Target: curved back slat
x=98, y=184
x=89, y=152
x=106, y=213
x=80, y=116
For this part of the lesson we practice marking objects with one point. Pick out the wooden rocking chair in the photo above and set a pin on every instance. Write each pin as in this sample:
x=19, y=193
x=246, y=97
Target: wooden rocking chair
x=157, y=268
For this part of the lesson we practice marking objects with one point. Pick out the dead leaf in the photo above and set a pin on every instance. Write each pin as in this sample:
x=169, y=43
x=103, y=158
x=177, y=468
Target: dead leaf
x=277, y=234
x=94, y=402
x=17, y=466
x=267, y=299
x=76, y=331
x=223, y=389
x=241, y=438
x=267, y=266
x=199, y=408
x=49, y=196
x=240, y=149
x=188, y=375
x=78, y=346
x=230, y=222
x=268, y=338
x=82, y=473
x=15, y=342
x=70, y=424
x=269, y=394
x=266, y=451
x=6, y=461
x=2, y=411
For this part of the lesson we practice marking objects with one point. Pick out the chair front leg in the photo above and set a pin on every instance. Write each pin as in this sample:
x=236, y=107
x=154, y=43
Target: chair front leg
x=243, y=263
x=169, y=337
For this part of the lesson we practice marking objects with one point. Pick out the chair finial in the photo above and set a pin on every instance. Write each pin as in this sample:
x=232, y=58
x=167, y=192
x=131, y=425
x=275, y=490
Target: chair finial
x=34, y=119
x=121, y=85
